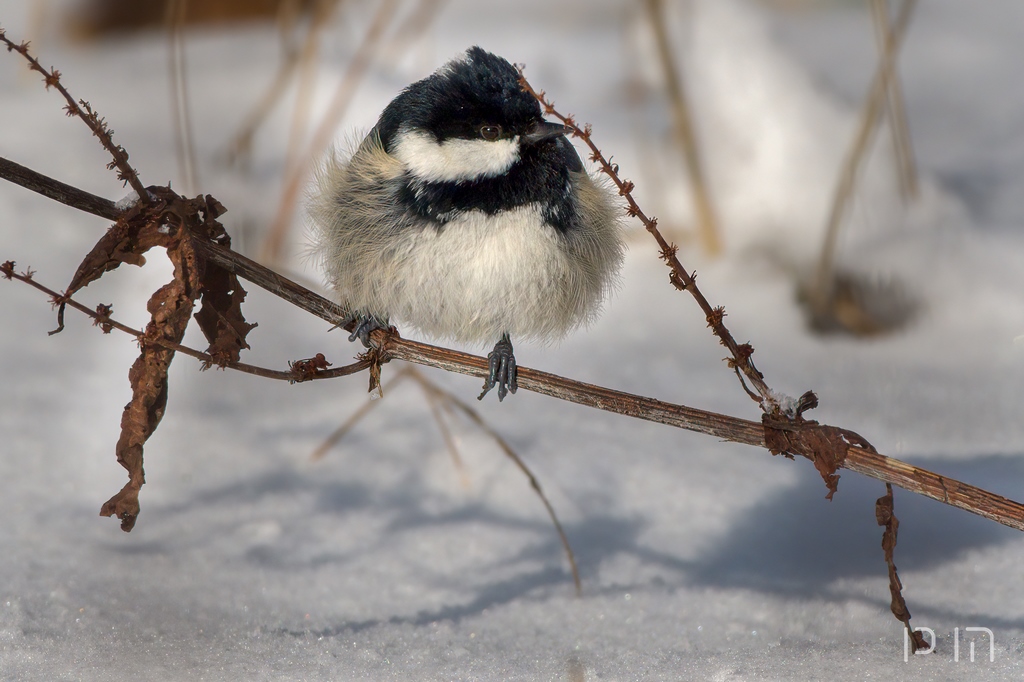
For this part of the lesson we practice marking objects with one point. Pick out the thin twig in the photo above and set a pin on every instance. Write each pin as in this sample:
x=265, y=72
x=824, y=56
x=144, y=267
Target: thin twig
x=436, y=398
x=679, y=277
x=295, y=149
x=707, y=220
x=824, y=281
x=415, y=24
x=301, y=59
x=84, y=111
x=475, y=417
x=358, y=415
x=101, y=318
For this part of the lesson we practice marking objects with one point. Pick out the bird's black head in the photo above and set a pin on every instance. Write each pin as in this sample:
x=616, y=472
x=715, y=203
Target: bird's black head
x=476, y=96
x=470, y=138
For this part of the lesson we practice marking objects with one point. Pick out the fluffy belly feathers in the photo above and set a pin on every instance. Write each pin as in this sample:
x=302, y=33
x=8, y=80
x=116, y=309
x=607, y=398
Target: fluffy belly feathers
x=480, y=276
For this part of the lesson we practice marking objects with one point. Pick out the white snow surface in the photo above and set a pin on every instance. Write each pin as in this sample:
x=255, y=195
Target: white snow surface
x=700, y=560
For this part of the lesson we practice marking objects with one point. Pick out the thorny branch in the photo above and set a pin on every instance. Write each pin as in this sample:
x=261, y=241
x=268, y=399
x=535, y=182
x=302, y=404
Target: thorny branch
x=82, y=109
x=680, y=278
x=309, y=369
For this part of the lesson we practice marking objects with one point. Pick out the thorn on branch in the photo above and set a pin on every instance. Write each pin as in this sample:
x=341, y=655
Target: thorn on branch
x=742, y=356
x=626, y=187
x=102, y=319
x=808, y=401
x=7, y=269
x=717, y=314
x=307, y=369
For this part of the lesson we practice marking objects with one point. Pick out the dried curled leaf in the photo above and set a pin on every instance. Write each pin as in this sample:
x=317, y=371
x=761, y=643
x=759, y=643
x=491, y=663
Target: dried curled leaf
x=885, y=517
x=824, y=445
x=173, y=222
x=220, y=316
x=170, y=309
x=136, y=231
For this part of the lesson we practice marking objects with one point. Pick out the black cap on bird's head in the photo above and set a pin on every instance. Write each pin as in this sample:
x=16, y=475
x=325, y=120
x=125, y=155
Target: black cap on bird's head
x=474, y=96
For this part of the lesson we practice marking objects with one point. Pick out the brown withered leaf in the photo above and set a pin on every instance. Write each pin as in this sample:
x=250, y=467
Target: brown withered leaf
x=177, y=222
x=220, y=316
x=135, y=232
x=885, y=517
x=824, y=445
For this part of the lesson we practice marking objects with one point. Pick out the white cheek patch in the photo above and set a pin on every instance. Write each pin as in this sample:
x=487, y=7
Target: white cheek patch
x=454, y=160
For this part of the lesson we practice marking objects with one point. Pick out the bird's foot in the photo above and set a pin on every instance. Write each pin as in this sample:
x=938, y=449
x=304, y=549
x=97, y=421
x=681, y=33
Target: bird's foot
x=501, y=369
x=365, y=325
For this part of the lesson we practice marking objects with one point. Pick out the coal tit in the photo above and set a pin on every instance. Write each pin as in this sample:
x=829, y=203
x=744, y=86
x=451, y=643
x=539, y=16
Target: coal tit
x=467, y=216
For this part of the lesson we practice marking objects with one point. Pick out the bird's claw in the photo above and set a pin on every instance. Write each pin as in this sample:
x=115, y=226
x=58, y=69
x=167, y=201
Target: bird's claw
x=502, y=371
x=365, y=325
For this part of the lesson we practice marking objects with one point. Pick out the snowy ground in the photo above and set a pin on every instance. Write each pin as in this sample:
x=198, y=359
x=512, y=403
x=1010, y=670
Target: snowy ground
x=700, y=560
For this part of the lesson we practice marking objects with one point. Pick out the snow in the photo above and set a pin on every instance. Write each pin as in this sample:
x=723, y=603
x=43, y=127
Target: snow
x=700, y=559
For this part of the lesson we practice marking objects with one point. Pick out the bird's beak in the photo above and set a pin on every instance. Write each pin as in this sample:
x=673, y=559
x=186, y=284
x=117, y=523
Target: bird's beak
x=544, y=130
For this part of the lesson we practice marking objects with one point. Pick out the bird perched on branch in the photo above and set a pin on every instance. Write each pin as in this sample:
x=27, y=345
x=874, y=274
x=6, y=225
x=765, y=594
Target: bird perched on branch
x=467, y=216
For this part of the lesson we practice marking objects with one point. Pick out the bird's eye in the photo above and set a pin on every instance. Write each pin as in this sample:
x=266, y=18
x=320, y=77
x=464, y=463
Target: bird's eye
x=490, y=132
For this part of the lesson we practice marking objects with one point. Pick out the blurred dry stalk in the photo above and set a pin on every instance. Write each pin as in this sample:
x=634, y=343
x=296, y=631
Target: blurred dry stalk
x=822, y=293
x=184, y=145
x=294, y=181
x=299, y=157
x=295, y=58
x=440, y=399
x=207, y=269
x=707, y=220
x=896, y=109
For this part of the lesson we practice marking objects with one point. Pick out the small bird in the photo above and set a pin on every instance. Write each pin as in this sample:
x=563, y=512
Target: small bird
x=466, y=215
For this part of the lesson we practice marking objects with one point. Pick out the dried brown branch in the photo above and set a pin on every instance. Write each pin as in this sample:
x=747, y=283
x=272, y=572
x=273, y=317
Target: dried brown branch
x=301, y=113
x=101, y=317
x=679, y=276
x=439, y=407
x=83, y=110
